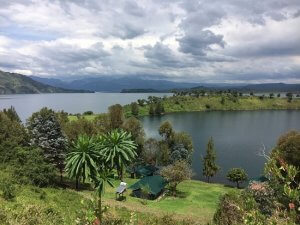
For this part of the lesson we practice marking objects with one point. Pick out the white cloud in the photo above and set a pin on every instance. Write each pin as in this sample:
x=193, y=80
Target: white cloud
x=232, y=41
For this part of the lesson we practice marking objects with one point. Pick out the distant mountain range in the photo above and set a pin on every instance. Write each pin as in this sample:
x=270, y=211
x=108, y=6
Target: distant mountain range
x=134, y=84
x=115, y=84
x=13, y=83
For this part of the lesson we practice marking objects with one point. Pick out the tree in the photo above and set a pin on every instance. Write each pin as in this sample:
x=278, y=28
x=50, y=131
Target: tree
x=271, y=95
x=134, y=109
x=164, y=154
x=116, y=116
x=159, y=108
x=135, y=128
x=118, y=150
x=278, y=95
x=81, y=126
x=222, y=100
x=150, y=151
x=237, y=175
x=151, y=110
x=180, y=153
x=166, y=130
x=12, y=114
x=210, y=168
x=12, y=134
x=288, y=149
x=30, y=167
x=176, y=173
x=82, y=160
x=47, y=134
x=182, y=138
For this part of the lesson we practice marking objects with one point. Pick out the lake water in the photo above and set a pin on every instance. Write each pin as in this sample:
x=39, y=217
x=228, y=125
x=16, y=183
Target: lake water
x=238, y=135
x=26, y=104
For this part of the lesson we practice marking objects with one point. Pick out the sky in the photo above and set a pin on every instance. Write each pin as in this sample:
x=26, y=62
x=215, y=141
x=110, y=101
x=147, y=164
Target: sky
x=231, y=41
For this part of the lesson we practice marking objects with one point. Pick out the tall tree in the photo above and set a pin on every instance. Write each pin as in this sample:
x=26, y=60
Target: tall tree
x=118, y=150
x=210, y=168
x=12, y=114
x=135, y=128
x=47, y=134
x=134, y=109
x=166, y=130
x=116, y=116
x=82, y=160
x=151, y=110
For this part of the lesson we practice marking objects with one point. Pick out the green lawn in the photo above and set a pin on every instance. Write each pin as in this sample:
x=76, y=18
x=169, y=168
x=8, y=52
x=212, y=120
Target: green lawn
x=189, y=104
x=196, y=200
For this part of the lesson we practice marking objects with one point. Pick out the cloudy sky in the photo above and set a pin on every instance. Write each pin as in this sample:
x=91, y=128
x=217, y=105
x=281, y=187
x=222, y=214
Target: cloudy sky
x=184, y=40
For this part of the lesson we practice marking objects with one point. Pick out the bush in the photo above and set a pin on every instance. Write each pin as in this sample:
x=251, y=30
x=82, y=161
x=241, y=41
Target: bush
x=263, y=195
x=88, y=113
x=30, y=167
x=8, y=190
x=229, y=211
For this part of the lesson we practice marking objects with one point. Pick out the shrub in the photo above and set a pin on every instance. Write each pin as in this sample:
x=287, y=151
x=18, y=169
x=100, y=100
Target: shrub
x=8, y=190
x=30, y=167
x=229, y=211
x=263, y=195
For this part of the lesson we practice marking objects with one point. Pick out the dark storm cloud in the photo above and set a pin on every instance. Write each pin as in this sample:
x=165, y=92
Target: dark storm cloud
x=198, y=43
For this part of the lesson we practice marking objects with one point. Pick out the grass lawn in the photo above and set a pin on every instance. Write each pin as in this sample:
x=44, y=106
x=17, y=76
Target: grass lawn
x=189, y=104
x=196, y=200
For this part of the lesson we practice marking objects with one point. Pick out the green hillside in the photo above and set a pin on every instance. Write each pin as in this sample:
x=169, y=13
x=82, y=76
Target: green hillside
x=13, y=83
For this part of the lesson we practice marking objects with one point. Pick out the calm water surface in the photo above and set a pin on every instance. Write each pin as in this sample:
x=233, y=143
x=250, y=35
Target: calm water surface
x=238, y=136
x=26, y=104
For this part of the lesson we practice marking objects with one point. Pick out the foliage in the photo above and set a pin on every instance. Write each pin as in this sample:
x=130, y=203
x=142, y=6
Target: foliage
x=116, y=116
x=12, y=134
x=12, y=114
x=288, y=148
x=82, y=160
x=237, y=175
x=176, y=173
x=210, y=168
x=164, y=154
x=82, y=126
x=182, y=138
x=166, y=130
x=180, y=153
x=264, y=196
x=151, y=110
x=135, y=128
x=229, y=211
x=283, y=181
x=88, y=113
x=150, y=151
x=159, y=108
x=118, y=149
x=30, y=167
x=134, y=109
x=8, y=189
x=47, y=134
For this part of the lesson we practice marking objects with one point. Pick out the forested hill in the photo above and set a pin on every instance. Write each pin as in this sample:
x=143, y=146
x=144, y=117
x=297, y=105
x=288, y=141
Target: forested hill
x=13, y=83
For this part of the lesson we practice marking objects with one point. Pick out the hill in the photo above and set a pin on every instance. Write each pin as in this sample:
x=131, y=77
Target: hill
x=115, y=84
x=13, y=83
x=267, y=87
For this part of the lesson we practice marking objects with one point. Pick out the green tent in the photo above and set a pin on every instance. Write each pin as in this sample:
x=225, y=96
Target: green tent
x=155, y=183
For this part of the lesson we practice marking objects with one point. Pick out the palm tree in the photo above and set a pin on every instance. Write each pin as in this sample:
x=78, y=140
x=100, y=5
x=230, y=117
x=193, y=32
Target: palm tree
x=118, y=150
x=83, y=159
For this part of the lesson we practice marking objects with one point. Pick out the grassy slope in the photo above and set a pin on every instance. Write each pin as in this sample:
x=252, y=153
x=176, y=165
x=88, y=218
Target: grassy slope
x=197, y=200
x=188, y=104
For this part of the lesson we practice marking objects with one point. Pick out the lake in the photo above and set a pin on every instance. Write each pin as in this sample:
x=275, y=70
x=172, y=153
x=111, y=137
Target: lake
x=238, y=135
x=26, y=104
